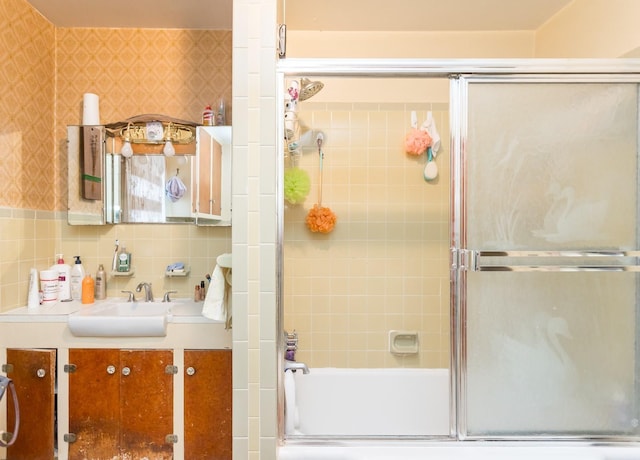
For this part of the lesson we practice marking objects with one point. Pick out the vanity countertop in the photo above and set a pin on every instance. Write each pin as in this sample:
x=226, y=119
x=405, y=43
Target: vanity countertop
x=59, y=311
x=55, y=313
x=47, y=327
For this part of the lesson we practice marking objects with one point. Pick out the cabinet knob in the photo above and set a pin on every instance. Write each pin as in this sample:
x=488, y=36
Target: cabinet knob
x=126, y=371
x=111, y=369
x=191, y=370
x=41, y=373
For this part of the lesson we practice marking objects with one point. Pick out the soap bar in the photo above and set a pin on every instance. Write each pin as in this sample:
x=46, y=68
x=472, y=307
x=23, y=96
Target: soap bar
x=176, y=267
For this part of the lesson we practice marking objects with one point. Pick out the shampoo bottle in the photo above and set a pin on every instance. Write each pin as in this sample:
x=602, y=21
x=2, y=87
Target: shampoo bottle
x=88, y=289
x=64, y=278
x=101, y=283
x=77, y=275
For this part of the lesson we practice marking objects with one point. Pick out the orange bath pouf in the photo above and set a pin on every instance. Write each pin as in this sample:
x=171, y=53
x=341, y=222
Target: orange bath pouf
x=417, y=142
x=321, y=219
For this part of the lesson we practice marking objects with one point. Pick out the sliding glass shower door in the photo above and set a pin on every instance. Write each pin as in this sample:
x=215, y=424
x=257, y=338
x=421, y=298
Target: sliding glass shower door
x=545, y=256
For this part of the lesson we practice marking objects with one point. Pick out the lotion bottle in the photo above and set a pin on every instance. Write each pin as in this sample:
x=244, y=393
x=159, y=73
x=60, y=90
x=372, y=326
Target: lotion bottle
x=77, y=275
x=88, y=289
x=101, y=283
x=64, y=278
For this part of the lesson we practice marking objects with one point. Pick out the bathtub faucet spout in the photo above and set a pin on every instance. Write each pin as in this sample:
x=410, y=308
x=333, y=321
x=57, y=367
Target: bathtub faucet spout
x=295, y=365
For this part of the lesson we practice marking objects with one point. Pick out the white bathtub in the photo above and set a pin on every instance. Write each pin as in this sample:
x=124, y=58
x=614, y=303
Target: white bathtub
x=452, y=450
x=372, y=402
x=402, y=402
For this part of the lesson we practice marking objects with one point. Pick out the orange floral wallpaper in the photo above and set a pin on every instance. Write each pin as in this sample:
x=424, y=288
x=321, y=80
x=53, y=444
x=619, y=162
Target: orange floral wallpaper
x=46, y=70
x=27, y=50
x=137, y=71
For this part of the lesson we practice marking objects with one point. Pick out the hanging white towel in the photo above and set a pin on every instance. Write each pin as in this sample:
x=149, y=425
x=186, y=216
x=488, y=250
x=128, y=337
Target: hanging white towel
x=289, y=402
x=217, y=302
x=429, y=126
x=291, y=420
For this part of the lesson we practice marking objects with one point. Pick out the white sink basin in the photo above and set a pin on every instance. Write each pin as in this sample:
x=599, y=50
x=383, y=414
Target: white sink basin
x=121, y=319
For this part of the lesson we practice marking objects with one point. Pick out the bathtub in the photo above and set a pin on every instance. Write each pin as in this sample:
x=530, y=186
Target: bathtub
x=369, y=402
x=357, y=403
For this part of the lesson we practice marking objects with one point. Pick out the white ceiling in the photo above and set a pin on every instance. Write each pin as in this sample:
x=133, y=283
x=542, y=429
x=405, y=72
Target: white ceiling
x=424, y=15
x=329, y=15
x=145, y=14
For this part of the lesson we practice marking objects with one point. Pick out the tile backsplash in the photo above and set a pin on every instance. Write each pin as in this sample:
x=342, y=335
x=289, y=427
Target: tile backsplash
x=34, y=238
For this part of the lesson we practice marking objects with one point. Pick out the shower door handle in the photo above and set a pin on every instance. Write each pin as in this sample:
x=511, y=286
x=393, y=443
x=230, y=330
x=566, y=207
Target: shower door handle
x=550, y=261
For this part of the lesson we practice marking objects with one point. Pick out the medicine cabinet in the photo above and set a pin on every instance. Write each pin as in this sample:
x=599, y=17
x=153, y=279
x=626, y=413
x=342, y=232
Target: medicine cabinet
x=193, y=185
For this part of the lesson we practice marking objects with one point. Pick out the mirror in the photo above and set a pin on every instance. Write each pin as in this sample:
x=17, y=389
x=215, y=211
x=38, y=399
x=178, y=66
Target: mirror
x=106, y=187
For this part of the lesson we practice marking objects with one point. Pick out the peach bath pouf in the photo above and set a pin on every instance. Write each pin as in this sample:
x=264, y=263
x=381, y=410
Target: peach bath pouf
x=417, y=142
x=321, y=219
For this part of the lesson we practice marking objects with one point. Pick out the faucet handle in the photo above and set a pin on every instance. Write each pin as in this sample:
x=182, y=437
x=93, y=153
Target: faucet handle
x=166, y=297
x=132, y=297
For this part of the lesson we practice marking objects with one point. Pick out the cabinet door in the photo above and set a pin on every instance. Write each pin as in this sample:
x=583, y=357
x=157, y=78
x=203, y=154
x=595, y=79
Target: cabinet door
x=207, y=404
x=146, y=404
x=33, y=374
x=94, y=403
x=205, y=198
x=212, y=187
x=120, y=404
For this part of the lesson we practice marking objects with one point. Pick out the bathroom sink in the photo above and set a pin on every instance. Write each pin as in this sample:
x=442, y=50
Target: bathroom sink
x=121, y=319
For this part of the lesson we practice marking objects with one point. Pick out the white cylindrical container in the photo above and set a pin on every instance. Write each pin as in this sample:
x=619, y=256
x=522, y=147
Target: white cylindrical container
x=33, y=299
x=49, y=286
x=90, y=109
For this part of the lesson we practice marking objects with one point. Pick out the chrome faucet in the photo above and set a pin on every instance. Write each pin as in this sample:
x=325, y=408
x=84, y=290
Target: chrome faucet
x=148, y=294
x=166, y=297
x=295, y=365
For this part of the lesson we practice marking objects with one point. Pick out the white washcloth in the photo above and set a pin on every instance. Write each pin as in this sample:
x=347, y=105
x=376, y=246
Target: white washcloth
x=217, y=302
x=429, y=126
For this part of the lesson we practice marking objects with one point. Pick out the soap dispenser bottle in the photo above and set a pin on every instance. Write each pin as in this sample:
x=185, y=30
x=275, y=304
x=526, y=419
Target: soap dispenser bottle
x=124, y=260
x=77, y=275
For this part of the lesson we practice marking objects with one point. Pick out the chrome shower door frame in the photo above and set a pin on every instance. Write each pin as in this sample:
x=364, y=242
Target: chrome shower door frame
x=452, y=69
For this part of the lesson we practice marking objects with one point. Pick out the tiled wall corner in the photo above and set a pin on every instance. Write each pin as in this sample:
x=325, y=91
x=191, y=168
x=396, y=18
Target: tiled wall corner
x=253, y=233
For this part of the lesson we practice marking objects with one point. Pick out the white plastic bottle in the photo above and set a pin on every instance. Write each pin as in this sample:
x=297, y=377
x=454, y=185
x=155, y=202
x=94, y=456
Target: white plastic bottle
x=77, y=275
x=33, y=299
x=64, y=278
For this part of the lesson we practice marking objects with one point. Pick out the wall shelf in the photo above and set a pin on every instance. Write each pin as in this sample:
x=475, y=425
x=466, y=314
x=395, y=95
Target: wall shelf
x=182, y=273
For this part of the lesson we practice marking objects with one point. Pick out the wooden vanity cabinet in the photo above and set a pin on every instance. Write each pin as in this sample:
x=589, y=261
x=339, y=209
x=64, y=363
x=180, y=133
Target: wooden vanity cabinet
x=120, y=404
x=33, y=372
x=207, y=404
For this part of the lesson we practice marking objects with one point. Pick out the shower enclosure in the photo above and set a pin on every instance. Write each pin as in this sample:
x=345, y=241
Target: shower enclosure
x=517, y=267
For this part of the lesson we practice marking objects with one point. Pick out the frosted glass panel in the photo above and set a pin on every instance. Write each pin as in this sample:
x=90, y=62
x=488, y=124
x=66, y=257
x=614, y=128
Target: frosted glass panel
x=551, y=353
x=551, y=167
